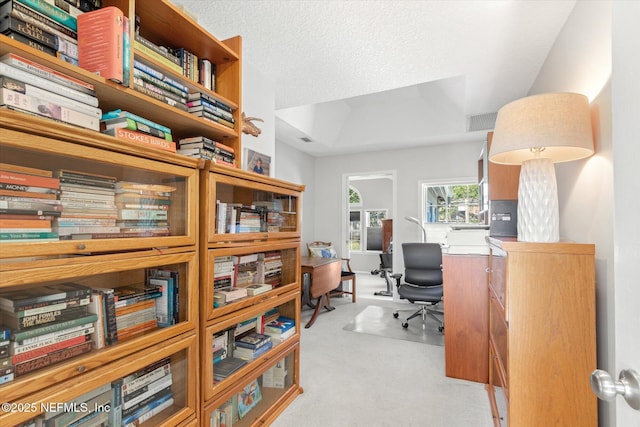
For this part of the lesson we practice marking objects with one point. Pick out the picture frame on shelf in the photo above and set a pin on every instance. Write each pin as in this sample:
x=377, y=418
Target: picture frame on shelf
x=257, y=162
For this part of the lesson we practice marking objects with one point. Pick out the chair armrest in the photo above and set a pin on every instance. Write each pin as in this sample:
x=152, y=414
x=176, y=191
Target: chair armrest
x=396, y=276
x=347, y=262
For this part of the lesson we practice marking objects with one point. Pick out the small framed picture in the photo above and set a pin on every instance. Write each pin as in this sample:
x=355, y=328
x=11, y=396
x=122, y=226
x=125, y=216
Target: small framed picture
x=257, y=162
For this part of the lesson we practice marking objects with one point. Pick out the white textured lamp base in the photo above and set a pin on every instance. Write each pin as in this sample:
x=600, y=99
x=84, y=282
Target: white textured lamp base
x=538, y=218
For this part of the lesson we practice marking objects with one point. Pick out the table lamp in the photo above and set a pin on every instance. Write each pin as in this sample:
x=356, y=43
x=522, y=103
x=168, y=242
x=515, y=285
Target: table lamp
x=536, y=132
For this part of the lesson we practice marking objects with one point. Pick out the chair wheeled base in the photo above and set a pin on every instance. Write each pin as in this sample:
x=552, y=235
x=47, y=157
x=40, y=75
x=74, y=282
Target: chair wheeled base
x=423, y=312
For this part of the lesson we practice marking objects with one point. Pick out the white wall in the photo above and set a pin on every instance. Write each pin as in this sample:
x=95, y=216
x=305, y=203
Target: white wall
x=298, y=167
x=259, y=100
x=435, y=162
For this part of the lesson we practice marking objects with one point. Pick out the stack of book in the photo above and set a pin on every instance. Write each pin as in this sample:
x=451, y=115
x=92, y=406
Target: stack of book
x=46, y=26
x=48, y=324
x=143, y=209
x=158, y=85
x=6, y=366
x=227, y=217
x=246, y=269
x=167, y=304
x=28, y=203
x=220, y=348
x=90, y=408
x=146, y=393
x=38, y=90
x=88, y=205
x=225, y=367
x=226, y=414
x=223, y=273
x=202, y=147
x=251, y=345
x=135, y=310
x=225, y=296
x=211, y=109
x=271, y=268
x=130, y=127
x=250, y=220
x=280, y=329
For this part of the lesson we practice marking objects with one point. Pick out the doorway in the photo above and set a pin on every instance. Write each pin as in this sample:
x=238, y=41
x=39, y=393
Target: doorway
x=367, y=199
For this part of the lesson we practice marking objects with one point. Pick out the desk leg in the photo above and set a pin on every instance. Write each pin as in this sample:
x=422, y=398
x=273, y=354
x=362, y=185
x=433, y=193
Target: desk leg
x=323, y=301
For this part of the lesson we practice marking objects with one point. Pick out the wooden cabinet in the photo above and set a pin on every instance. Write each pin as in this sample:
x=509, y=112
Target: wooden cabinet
x=251, y=221
x=496, y=182
x=111, y=260
x=466, y=317
x=542, y=333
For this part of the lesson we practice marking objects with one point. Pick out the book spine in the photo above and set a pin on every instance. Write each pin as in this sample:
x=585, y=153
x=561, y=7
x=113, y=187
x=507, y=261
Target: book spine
x=160, y=97
x=161, y=59
x=151, y=413
x=138, y=119
x=29, y=15
x=30, y=333
x=202, y=104
x=164, y=52
x=115, y=414
x=28, y=355
x=109, y=320
x=12, y=23
x=63, y=101
x=160, y=83
x=51, y=85
x=53, y=335
x=50, y=75
x=66, y=7
x=51, y=358
x=30, y=42
x=30, y=236
x=205, y=96
x=46, y=108
x=214, y=118
x=159, y=75
x=57, y=338
x=20, y=323
x=129, y=387
x=160, y=91
x=141, y=127
x=52, y=12
x=141, y=138
x=152, y=389
x=29, y=180
x=25, y=169
x=126, y=51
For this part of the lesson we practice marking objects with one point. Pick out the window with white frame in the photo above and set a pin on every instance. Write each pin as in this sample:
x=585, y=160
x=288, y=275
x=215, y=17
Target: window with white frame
x=450, y=203
x=355, y=220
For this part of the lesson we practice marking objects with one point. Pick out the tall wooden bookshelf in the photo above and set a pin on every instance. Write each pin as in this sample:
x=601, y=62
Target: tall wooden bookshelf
x=101, y=261
x=275, y=235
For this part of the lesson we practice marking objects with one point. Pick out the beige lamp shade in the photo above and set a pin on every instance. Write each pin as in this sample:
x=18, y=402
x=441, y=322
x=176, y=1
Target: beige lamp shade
x=558, y=125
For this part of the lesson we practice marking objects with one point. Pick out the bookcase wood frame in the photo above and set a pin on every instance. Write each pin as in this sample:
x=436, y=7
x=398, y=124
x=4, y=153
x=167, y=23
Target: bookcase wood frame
x=240, y=186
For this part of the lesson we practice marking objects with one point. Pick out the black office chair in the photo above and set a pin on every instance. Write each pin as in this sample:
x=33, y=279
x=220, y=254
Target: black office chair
x=423, y=280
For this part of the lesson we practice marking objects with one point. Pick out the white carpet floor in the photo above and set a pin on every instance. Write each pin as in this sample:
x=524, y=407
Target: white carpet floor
x=363, y=380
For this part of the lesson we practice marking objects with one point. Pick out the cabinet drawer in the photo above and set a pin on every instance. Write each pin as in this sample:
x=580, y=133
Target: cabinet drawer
x=499, y=391
x=498, y=331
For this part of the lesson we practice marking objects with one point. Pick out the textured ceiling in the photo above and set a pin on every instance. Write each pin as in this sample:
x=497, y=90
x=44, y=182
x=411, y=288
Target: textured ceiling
x=340, y=67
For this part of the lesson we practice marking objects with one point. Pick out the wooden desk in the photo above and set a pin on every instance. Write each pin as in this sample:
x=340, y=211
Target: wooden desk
x=325, y=276
x=466, y=317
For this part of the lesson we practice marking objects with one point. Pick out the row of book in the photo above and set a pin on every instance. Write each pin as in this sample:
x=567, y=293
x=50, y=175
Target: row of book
x=45, y=325
x=48, y=205
x=254, y=218
x=127, y=401
x=236, y=277
x=246, y=347
x=234, y=347
x=202, y=147
x=50, y=27
x=37, y=90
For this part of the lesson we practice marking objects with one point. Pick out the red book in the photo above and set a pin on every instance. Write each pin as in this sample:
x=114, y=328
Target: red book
x=9, y=177
x=142, y=138
x=100, y=46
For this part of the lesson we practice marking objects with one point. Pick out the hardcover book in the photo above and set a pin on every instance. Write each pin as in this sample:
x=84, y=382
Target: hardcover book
x=141, y=138
x=100, y=44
